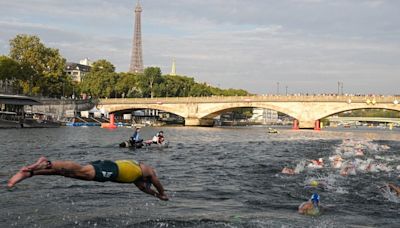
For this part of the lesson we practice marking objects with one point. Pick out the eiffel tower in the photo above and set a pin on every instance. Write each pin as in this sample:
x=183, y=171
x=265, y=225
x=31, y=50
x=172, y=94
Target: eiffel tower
x=136, y=65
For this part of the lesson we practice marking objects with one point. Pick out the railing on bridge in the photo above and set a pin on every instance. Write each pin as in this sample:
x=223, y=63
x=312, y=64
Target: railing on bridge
x=272, y=98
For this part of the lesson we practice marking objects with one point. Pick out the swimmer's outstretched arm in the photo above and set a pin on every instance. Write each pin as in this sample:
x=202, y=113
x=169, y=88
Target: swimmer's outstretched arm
x=395, y=188
x=142, y=186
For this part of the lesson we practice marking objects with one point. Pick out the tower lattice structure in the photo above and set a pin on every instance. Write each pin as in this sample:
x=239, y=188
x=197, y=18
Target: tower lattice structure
x=136, y=65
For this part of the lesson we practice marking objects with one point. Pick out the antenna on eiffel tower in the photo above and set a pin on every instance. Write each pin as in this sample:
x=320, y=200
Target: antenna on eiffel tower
x=173, y=69
x=136, y=65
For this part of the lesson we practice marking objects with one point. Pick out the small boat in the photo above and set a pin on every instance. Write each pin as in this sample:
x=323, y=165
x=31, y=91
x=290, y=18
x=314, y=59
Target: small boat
x=81, y=124
x=131, y=144
x=141, y=144
x=272, y=131
x=29, y=120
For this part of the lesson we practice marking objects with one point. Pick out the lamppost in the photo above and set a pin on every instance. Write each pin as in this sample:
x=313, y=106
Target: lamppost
x=277, y=88
x=340, y=88
x=63, y=88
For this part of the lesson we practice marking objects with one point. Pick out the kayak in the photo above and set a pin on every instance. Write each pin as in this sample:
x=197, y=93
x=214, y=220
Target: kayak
x=272, y=131
x=141, y=144
x=130, y=144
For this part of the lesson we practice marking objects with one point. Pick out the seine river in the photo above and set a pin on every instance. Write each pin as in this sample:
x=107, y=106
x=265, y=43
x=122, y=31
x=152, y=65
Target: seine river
x=215, y=177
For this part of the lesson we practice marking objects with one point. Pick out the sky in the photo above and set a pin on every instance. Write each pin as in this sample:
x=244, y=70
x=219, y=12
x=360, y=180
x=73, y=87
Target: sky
x=262, y=46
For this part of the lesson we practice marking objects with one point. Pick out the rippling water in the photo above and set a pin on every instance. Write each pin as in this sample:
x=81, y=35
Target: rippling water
x=215, y=177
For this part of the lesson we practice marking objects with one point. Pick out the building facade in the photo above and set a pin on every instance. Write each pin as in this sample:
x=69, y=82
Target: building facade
x=264, y=116
x=78, y=70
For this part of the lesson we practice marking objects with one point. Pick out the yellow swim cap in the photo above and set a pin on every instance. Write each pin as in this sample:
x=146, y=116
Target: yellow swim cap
x=314, y=183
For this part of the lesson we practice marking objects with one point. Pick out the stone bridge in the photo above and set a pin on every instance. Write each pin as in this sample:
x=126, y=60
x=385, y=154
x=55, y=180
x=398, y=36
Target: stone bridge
x=306, y=110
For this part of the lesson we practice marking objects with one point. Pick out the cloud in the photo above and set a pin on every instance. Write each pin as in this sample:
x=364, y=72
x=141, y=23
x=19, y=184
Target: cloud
x=303, y=44
x=375, y=3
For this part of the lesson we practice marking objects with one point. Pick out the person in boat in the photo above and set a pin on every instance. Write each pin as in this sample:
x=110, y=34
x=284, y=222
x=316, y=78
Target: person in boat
x=158, y=138
x=136, y=136
x=310, y=207
x=120, y=171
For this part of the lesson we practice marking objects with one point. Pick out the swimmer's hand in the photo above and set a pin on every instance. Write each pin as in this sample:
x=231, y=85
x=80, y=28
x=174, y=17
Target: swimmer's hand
x=162, y=197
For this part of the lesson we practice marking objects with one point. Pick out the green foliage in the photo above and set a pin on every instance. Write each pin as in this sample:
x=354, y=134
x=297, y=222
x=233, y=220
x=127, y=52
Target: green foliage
x=152, y=78
x=101, y=81
x=200, y=90
x=128, y=85
x=9, y=68
x=152, y=83
x=11, y=72
x=176, y=86
x=102, y=66
x=42, y=68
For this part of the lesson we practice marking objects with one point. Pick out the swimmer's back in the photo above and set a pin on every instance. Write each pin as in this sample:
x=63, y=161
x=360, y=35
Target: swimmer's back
x=128, y=171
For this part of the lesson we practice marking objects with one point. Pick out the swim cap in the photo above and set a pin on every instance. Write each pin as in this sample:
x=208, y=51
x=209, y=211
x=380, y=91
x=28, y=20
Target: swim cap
x=314, y=183
x=315, y=198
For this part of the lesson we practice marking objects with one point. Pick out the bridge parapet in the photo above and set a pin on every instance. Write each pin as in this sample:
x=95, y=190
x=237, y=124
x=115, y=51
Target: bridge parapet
x=269, y=98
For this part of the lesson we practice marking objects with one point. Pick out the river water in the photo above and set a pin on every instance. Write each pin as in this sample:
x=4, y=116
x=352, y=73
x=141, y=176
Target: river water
x=215, y=177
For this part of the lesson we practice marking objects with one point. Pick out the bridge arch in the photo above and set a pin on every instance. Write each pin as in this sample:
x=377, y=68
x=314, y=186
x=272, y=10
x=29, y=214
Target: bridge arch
x=337, y=110
x=121, y=108
x=221, y=108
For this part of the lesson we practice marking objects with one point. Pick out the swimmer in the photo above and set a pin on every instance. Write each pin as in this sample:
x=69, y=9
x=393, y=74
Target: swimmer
x=310, y=207
x=336, y=161
x=359, y=152
x=348, y=169
x=288, y=171
x=316, y=163
x=313, y=184
x=394, y=188
x=120, y=171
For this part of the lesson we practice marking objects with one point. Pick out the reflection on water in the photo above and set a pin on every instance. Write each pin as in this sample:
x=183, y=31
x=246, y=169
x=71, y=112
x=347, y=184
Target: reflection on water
x=215, y=177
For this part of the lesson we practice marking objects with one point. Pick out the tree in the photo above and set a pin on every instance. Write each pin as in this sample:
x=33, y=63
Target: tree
x=10, y=73
x=9, y=68
x=101, y=80
x=42, y=66
x=53, y=75
x=128, y=85
x=200, y=90
x=176, y=86
x=103, y=66
x=152, y=77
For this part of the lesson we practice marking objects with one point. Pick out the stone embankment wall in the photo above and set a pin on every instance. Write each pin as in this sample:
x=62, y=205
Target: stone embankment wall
x=61, y=109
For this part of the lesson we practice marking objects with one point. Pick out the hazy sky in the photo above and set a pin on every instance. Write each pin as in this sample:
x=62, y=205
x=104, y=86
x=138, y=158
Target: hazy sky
x=304, y=45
